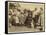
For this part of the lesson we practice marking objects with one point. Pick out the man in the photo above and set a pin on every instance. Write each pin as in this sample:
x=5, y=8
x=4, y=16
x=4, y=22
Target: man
x=10, y=17
x=15, y=17
x=36, y=17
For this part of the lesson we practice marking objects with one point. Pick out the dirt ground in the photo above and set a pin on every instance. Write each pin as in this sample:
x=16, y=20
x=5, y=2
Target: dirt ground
x=21, y=29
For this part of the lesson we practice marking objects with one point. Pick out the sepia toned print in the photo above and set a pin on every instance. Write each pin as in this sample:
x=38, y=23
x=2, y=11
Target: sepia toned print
x=25, y=17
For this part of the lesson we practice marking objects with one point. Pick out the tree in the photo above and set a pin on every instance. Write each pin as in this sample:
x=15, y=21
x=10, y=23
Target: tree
x=12, y=5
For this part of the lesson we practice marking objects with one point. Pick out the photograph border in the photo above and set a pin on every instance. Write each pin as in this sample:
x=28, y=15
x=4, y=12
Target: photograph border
x=6, y=16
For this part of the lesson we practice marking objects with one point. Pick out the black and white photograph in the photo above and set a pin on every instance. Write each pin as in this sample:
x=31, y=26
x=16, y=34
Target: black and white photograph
x=25, y=17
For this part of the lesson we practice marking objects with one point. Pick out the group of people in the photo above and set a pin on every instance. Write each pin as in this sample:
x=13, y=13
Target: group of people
x=18, y=16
